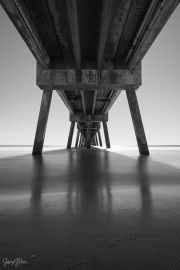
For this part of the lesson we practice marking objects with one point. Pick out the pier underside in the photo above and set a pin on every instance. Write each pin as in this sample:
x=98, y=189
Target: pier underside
x=88, y=52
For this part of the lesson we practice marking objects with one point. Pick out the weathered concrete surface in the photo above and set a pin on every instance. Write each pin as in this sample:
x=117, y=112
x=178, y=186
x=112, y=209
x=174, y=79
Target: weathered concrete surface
x=77, y=139
x=73, y=21
x=152, y=28
x=99, y=136
x=106, y=134
x=42, y=122
x=88, y=118
x=104, y=26
x=21, y=18
x=90, y=30
x=71, y=131
x=137, y=122
x=95, y=209
x=71, y=79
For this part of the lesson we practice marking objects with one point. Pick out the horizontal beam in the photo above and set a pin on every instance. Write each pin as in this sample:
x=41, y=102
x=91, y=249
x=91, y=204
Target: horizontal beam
x=88, y=118
x=105, y=20
x=73, y=22
x=79, y=99
x=22, y=20
x=72, y=79
x=93, y=125
x=85, y=128
x=121, y=23
x=112, y=100
x=152, y=26
x=62, y=62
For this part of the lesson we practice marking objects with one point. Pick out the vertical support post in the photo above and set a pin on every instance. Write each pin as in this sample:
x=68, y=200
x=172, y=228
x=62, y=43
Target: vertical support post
x=99, y=136
x=88, y=135
x=77, y=139
x=70, y=135
x=93, y=141
x=80, y=140
x=96, y=139
x=42, y=122
x=106, y=135
x=137, y=122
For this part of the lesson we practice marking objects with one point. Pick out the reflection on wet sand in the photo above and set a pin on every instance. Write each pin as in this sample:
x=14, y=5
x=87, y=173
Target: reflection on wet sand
x=90, y=186
x=37, y=184
x=94, y=181
x=145, y=188
x=87, y=204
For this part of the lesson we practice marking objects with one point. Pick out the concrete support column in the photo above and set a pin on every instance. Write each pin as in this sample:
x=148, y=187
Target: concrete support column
x=42, y=122
x=137, y=122
x=88, y=141
x=106, y=135
x=70, y=135
x=80, y=140
x=96, y=139
x=99, y=136
x=77, y=139
x=92, y=141
x=88, y=135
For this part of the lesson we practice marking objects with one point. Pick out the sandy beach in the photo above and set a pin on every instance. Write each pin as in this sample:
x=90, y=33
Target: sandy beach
x=90, y=209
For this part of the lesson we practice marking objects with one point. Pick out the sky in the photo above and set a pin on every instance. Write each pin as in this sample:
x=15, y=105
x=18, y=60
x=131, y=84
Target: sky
x=158, y=97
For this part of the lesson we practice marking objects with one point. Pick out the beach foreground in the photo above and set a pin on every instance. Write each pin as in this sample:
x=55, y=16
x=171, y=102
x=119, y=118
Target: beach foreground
x=90, y=209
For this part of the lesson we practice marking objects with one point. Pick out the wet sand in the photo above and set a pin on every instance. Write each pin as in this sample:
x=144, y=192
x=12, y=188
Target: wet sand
x=90, y=209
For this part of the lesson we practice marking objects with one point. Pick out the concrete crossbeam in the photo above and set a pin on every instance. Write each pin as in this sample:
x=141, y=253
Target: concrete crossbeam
x=72, y=79
x=98, y=100
x=88, y=118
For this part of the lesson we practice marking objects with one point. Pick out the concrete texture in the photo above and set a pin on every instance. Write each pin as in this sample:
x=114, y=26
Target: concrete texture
x=90, y=209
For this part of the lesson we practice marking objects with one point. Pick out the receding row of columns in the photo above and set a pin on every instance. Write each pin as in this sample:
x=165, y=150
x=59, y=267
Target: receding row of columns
x=81, y=141
x=135, y=114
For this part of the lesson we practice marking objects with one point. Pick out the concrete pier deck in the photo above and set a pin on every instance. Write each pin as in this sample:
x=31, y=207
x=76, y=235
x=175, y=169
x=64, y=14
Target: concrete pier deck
x=90, y=209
